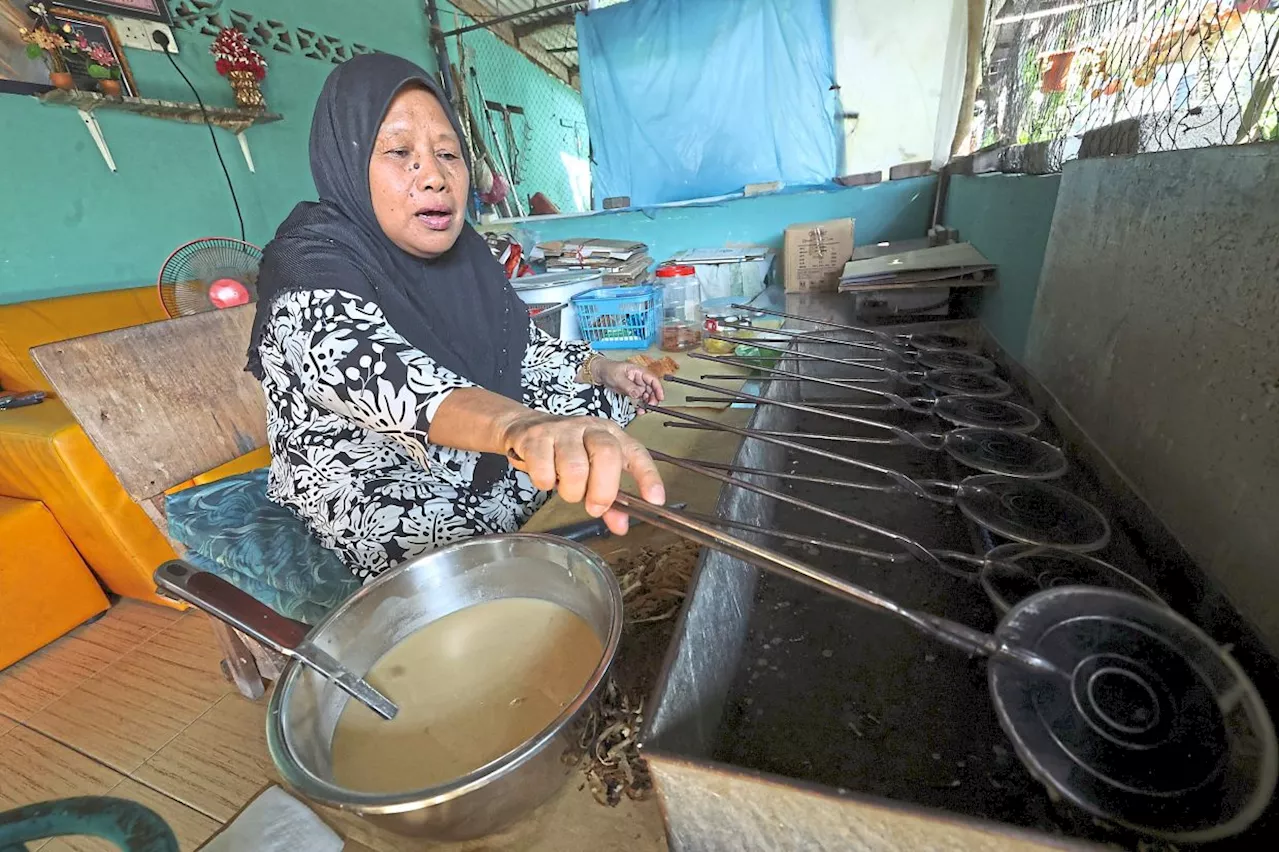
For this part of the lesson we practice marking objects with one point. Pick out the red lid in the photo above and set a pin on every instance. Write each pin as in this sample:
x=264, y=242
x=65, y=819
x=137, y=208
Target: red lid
x=675, y=270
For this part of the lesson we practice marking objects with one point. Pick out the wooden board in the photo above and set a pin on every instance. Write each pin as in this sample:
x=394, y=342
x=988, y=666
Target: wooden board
x=165, y=401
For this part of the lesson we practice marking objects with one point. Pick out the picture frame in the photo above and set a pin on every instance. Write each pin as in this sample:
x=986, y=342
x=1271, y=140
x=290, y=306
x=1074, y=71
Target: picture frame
x=19, y=74
x=97, y=30
x=148, y=10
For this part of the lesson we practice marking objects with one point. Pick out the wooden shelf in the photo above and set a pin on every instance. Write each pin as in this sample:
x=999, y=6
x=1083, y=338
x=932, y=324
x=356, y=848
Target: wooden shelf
x=233, y=119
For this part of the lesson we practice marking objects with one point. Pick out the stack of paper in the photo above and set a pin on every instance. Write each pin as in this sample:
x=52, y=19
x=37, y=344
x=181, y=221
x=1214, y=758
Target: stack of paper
x=622, y=262
x=953, y=265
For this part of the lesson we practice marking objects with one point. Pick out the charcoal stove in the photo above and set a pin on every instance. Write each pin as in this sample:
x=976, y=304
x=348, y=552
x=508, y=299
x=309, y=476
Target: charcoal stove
x=785, y=719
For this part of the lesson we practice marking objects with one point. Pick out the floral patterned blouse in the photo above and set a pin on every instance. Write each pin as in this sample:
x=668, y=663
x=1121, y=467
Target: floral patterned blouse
x=349, y=405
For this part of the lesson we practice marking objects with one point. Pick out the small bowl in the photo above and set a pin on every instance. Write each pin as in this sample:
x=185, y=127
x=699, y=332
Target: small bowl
x=304, y=708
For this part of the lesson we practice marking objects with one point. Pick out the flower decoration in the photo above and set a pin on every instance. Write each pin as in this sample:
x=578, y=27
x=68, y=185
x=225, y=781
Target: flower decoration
x=233, y=53
x=47, y=39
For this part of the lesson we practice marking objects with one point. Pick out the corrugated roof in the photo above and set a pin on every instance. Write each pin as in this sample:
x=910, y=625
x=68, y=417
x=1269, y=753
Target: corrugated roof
x=550, y=29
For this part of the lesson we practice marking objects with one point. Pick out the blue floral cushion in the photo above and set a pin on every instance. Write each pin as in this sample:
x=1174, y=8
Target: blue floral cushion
x=232, y=529
x=293, y=606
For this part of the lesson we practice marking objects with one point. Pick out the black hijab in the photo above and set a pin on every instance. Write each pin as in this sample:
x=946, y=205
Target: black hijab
x=458, y=308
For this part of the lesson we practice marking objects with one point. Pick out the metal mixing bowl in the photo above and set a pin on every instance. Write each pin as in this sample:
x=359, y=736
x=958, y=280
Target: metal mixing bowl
x=304, y=708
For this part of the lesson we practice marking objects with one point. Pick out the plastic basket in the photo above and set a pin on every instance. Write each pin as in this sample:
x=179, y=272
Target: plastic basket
x=547, y=316
x=619, y=317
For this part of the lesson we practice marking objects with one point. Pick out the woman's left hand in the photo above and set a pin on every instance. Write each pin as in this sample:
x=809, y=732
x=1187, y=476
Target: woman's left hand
x=633, y=382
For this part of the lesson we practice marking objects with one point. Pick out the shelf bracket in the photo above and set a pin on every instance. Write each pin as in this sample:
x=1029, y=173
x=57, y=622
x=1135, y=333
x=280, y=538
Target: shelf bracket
x=91, y=122
x=244, y=149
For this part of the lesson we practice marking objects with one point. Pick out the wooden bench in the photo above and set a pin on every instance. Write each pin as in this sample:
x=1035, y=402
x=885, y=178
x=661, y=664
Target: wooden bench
x=164, y=402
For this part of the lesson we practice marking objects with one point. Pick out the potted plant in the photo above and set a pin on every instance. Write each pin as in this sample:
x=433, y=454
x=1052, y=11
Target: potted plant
x=47, y=41
x=243, y=67
x=103, y=67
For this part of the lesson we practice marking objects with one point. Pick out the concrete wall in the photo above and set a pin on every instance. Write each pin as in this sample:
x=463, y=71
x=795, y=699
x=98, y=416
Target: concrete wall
x=1155, y=327
x=1007, y=218
x=891, y=63
x=894, y=210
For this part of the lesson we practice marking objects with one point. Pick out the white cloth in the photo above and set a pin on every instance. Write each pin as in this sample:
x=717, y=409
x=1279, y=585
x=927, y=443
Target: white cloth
x=275, y=822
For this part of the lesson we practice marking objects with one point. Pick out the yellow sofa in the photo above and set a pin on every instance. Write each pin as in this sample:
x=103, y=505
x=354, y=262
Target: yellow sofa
x=45, y=587
x=45, y=456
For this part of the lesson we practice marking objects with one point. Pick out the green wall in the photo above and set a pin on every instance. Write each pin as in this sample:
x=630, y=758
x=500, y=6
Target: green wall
x=68, y=225
x=1007, y=218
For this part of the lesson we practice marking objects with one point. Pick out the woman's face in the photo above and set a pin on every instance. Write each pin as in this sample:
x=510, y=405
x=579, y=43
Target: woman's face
x=417, y=178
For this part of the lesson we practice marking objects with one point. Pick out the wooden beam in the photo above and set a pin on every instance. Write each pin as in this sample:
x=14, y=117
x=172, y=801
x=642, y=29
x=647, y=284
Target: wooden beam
x=534, y=52
x=537, y=25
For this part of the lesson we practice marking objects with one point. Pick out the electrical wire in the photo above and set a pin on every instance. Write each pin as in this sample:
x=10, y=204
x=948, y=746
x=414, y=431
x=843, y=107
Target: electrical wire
x=160, y=39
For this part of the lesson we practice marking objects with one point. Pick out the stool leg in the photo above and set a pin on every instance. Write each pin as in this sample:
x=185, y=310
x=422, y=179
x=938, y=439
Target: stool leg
x=240, y=664
x=270, y=663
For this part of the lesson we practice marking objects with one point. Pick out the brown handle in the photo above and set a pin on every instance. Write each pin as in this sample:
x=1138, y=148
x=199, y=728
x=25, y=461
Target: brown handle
x=224, y=601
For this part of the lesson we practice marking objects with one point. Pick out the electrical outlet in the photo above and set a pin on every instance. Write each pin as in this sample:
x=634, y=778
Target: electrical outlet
x=136, y=33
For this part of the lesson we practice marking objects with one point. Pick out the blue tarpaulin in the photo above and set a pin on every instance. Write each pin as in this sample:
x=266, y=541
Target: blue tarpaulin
x=697, y=98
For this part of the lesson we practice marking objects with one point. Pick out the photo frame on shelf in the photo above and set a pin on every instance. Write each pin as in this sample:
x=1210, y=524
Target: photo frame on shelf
x=149, y=10
x=19, y=74
x=97, y=31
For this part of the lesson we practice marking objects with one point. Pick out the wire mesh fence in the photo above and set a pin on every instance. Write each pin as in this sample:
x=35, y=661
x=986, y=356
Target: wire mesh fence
x=1121, y=76
x=531, y=124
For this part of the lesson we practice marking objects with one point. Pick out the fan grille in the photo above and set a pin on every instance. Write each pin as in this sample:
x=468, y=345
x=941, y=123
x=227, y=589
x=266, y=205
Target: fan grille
x=190, y=272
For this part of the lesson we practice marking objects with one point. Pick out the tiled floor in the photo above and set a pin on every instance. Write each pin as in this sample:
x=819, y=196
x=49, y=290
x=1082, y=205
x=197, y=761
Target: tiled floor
x=133, y=705
x=83, y=714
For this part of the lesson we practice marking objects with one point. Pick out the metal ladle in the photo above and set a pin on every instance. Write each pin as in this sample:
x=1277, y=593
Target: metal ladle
x=1120, y=705
x=956, y=442
x=224, y=601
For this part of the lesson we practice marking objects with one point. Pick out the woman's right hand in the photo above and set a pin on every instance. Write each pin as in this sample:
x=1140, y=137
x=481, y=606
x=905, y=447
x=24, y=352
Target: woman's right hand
x=583, y=458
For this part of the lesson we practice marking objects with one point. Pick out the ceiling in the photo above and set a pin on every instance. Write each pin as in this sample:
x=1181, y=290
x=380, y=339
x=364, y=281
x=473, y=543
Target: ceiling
x=544, y=30
x=552, y=30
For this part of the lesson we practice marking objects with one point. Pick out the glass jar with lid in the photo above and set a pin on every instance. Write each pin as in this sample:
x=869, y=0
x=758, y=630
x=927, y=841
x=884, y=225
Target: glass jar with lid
x=681, y=307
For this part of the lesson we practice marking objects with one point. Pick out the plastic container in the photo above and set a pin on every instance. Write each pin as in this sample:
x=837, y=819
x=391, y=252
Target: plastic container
x=552, y=288
x=549, y=317
x=681, y=307
x=716, y=312
x=740, y=274
x=619, y=317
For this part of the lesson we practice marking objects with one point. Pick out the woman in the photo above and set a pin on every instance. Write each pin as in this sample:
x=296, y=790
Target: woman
x=410, y=402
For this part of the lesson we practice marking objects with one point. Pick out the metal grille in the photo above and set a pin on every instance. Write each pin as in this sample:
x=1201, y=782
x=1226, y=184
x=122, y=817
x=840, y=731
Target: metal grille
x=532, y=122
x=1122, y=76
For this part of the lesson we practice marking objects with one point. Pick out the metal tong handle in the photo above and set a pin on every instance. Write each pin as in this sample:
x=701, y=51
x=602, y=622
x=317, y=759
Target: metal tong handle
x=923, y=440
x=225, y=602
x=890, y=339
x=911, y=377
x=908, y=355
x=923, y=406
x=908, y=484
x=909, y=545
x=945, y=630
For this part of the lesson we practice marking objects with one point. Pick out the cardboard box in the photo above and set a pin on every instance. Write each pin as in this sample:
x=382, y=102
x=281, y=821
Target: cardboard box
x=815, y=254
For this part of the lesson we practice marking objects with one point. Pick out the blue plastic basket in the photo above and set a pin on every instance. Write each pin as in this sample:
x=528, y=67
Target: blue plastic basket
x=619, y=317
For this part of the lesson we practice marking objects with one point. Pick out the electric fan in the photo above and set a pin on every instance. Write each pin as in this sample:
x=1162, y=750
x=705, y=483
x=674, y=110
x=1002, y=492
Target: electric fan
x=208, y=275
